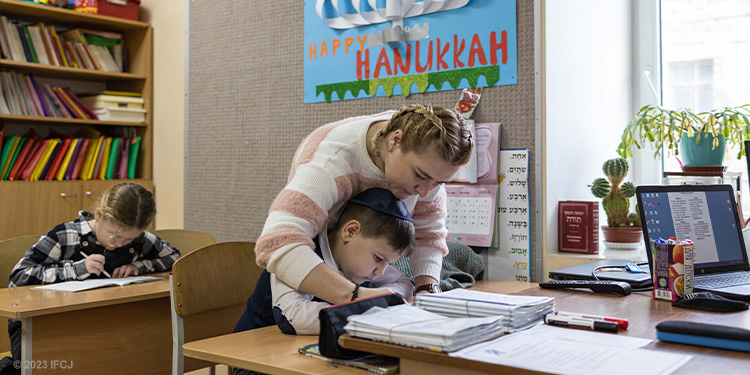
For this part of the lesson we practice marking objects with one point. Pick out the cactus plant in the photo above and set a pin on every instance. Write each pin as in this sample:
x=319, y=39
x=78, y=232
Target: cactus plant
x=616, y=198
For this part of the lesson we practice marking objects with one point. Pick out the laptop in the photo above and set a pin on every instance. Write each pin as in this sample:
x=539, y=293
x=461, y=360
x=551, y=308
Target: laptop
x=609, y=269
x=707, y=215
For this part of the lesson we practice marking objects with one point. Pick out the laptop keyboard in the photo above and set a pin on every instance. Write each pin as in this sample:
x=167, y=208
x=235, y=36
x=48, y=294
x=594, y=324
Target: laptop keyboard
x=723, y=280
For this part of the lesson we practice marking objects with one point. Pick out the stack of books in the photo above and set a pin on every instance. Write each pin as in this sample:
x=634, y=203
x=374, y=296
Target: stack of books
x=518, y=311
x=116, y=105
x=414, y=327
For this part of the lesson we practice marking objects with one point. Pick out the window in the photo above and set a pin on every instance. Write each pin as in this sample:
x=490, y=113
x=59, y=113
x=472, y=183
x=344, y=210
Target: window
x=703, y=65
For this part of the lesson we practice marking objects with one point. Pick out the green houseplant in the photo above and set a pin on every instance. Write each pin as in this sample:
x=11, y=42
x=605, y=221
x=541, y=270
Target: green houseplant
x=701, y=136
x=622, y=226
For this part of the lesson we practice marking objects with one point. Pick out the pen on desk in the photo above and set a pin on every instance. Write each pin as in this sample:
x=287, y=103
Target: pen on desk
x=103, y=271
x=622, y=323
x=565, y=321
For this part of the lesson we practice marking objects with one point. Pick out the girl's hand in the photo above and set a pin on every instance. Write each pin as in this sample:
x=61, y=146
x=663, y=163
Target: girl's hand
x=125, y=271
x=94, y=264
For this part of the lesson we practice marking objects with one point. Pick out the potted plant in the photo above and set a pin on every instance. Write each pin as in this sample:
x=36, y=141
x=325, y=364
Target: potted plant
x=702, y=136
x=623, y=226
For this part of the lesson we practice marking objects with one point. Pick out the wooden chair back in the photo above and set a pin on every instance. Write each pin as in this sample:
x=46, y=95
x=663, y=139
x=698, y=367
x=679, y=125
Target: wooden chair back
x=212, y=284
x=11, y=251
x=185, y=240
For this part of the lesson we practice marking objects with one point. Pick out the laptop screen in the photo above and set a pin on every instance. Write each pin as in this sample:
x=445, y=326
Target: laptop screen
x=705, y=214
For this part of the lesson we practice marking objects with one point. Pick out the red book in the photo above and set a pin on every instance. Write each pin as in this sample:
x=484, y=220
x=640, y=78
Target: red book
x=578, y=227
x=29, y=167
x=79, y=160
x=22, y=156
x=55, y=164
x=36, y=145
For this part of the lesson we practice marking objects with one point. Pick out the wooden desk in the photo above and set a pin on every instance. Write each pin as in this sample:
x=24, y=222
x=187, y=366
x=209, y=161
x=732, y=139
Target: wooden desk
x=124, y=330
x=266, y=350
x=642, y=312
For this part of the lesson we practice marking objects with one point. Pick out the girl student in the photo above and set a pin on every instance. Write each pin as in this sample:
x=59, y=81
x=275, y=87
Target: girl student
x=412, y=152
x=108, y=241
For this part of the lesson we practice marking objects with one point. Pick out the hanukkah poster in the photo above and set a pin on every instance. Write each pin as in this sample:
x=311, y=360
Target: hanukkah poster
x=356, y=49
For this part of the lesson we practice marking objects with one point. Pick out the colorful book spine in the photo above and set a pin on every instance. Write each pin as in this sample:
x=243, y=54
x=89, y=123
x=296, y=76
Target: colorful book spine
x=15, y=174
x=60, y=173
x=135, y=144
x=29, y=168
x=102, y=173
x=25, y=153
x=16, y=152
x=79, y=158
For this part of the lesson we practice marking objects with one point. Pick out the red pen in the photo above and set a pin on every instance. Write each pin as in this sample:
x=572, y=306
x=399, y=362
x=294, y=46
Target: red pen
x=622, y=323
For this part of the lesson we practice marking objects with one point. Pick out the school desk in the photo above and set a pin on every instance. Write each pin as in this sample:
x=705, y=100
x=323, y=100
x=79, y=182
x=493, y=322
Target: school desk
x=267, y=350
x=642, y=312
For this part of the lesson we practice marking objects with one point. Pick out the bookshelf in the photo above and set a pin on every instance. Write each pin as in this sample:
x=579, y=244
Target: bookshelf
x=32, y=207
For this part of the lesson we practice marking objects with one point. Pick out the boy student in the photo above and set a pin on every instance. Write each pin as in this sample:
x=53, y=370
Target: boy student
x=374, y=230
x=110, y=241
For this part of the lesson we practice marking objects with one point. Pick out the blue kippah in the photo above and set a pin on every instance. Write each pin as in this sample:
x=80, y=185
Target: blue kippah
x=382, y=200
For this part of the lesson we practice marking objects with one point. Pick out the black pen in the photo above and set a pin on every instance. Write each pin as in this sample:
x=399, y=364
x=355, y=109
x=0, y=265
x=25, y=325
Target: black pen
x=566, y=321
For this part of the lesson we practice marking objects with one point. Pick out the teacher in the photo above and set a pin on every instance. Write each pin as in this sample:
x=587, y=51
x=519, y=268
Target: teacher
x=413, y=152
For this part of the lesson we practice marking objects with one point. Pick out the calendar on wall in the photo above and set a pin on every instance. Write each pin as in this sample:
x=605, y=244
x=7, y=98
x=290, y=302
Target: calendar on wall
x=472, y=211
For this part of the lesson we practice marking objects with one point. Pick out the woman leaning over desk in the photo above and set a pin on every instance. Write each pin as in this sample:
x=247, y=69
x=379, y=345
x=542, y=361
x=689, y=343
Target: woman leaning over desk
x=412, y=152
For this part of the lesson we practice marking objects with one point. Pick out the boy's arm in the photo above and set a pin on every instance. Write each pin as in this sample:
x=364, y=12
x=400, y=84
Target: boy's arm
x=41, y=263
x=294, y=310
x=396, y=281
x=157, y=255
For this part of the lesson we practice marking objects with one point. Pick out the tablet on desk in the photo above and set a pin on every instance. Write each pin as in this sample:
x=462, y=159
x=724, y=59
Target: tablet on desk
x=608, y=269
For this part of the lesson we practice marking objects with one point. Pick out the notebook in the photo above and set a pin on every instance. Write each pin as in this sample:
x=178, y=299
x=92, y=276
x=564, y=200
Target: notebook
x=608, y=269
x=707, y=215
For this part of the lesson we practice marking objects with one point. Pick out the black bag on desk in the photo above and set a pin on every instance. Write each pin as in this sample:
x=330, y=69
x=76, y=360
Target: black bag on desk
x=333, y=320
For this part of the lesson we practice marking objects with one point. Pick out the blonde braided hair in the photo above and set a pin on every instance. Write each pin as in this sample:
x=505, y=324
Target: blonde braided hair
x=425, y=126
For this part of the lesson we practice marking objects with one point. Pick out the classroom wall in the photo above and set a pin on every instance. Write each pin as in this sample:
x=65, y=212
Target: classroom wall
x=588, y=97
x=246, y=114
x=168, y=20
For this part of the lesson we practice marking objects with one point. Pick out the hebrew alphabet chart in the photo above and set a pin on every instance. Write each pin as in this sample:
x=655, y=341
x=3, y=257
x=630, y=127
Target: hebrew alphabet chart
x=511, y=260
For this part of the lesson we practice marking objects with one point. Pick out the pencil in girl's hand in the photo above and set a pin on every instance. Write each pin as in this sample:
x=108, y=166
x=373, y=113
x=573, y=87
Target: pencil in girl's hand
x=103, y=271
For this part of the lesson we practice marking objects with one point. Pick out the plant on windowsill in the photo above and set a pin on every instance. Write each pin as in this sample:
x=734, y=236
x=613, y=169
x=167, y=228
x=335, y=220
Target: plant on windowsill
x=623, y=229
x=702, y=137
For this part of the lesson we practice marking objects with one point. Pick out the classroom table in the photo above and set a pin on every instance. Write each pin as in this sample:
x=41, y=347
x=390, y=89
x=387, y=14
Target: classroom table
x=116, y=330
x=643, y=314
x=271, y=351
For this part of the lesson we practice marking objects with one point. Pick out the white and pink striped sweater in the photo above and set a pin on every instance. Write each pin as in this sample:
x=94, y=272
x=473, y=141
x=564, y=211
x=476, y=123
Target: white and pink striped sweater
x=331, y=166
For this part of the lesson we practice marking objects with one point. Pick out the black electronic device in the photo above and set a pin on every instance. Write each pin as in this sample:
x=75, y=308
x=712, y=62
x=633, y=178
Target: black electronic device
x=608, y=269
x=598, y=286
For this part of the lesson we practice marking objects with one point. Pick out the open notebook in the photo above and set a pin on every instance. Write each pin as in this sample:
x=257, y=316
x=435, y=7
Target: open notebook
x=77, y=286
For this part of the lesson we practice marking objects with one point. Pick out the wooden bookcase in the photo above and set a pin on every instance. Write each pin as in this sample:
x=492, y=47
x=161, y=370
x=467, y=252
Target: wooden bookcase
x=34, y=207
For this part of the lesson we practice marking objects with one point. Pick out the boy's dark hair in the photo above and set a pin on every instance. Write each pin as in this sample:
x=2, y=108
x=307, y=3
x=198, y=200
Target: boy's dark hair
x=398, y=232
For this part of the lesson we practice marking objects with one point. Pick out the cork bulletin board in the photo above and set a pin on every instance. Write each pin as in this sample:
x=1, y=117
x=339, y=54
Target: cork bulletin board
x=246, y=113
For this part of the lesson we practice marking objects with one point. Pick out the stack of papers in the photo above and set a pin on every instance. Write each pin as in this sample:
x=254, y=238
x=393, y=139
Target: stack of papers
x=411, y=326
x=518, y=311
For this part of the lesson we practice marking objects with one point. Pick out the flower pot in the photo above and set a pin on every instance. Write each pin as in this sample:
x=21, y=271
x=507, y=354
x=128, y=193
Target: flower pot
x=622, y=234
x=703, y=153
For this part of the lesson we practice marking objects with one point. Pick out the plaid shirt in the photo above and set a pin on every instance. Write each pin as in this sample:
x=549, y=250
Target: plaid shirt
x=56, y=257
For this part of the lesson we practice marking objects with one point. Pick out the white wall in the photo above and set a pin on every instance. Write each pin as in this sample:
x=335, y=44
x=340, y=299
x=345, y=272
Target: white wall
x=168, y=20
x=588, y=63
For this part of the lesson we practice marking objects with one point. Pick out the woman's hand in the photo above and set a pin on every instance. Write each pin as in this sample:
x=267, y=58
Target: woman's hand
x=125, y=271
x=94, y=264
